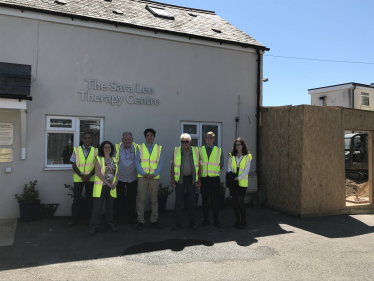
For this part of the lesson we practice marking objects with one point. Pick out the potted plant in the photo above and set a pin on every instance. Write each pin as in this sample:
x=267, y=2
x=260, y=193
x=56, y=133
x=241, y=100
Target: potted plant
x=29, y=203
x=222, y=192
x=163, y=193
x=83, y=208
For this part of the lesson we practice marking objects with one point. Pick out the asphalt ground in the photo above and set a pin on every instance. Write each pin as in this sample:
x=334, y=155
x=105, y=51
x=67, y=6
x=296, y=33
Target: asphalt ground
x=275, y=246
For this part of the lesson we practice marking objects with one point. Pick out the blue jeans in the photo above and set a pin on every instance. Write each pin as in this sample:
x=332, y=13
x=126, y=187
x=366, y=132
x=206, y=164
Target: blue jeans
x=78, y=189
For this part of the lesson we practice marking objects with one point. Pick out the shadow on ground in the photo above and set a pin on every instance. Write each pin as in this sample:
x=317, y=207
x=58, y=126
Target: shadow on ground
x=48, y=241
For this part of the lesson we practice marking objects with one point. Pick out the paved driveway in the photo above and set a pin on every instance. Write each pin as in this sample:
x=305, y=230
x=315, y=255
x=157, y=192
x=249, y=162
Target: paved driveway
x=275, y=246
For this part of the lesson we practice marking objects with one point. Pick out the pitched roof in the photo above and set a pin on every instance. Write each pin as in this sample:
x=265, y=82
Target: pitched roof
x=133, y=13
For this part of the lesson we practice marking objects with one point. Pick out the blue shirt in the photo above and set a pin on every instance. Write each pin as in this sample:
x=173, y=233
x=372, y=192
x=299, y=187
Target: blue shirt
x=139, y=167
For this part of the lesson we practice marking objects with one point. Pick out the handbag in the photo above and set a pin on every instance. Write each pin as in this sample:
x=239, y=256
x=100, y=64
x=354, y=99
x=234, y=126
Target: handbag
x=230, y=176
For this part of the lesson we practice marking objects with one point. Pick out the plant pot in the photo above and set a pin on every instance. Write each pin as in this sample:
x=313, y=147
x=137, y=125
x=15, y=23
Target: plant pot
x=162, y=204
x=185, y=201
x=29, y=211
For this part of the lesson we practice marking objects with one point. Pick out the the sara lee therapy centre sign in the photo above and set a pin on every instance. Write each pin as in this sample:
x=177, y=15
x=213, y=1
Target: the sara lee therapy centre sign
x=113, y=86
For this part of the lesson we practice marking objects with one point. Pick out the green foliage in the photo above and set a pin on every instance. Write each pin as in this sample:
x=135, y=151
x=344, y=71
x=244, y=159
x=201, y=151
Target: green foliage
x=222, y=188
x=71, y=188
x=30, y=194
x=164, y=191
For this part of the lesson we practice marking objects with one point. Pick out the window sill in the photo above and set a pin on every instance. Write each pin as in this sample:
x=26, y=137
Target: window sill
x=58, y=169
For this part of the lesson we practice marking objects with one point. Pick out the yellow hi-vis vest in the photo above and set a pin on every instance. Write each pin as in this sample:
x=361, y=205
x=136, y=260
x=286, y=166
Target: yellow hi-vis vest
x=85, y=166
x=178, y=162
x=242, y=164
x=98, y=185
x=118, y=146
x=148, y=162
x=210, y=167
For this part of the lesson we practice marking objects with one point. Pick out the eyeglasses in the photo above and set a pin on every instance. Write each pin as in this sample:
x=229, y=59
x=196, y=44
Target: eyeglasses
x=238, y=144
x=209, y=137
x=185, y=141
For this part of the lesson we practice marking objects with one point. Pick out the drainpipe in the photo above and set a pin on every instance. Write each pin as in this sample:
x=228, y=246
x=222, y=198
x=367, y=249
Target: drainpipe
x=353, y=96
x=259, y=81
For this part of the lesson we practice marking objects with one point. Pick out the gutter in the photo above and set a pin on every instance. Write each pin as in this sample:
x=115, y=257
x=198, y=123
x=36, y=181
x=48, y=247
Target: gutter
x=155, y=30
x=15, y=97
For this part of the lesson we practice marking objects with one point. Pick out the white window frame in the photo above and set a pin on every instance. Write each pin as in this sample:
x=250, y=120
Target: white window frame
x=365, y=95
x=199, y=130
x=74, y=130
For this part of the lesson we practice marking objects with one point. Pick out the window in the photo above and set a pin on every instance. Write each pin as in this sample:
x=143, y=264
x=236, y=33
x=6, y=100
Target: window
x=197, y=130
x=159, y=12
x=365, y=99
x=64, y=133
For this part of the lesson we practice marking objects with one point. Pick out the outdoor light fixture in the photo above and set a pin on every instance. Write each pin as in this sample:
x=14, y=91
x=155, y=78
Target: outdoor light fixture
x=265, y=79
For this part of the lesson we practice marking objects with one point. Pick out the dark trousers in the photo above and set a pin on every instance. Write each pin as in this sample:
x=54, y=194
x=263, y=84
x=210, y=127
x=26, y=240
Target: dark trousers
x=125, y=203
x=210, y=196
x=98, y=205
x=78, y=189
x=190, y=189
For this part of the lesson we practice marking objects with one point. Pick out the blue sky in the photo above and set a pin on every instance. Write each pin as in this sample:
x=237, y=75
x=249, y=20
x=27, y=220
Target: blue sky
x=338, y=30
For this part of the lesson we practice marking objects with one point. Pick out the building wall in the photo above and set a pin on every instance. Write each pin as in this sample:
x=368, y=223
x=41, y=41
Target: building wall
x=342, y=97
x=333, y=98
x=193, y=83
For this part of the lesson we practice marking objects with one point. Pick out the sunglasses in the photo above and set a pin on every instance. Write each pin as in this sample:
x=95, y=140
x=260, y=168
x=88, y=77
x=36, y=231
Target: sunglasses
x=185, y=141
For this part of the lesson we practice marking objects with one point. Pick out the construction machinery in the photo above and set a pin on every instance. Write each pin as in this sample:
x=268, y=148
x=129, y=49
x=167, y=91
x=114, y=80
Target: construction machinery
x=356, y=155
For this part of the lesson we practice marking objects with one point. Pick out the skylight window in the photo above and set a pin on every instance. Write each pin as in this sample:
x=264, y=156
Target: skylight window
x=159, y=12
x=217, y=30
x=118, y=12
x=61, y=2
x=192, y=15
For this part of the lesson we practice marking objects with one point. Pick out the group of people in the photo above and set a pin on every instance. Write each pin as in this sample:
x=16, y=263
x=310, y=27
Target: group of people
x=121, y=174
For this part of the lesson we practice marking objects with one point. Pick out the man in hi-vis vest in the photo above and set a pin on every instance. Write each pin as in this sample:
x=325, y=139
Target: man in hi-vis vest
x=185, y=179
x=127, y=186
x=211, y=163
x=83, y=159
x=148, y=163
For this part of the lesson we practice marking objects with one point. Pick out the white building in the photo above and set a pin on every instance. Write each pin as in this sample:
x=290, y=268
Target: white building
x=351, y=95
x=70, y=66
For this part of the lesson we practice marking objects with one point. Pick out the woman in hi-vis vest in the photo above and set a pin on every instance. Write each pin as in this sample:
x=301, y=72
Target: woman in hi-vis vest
x=106, y=179
x=239, y=163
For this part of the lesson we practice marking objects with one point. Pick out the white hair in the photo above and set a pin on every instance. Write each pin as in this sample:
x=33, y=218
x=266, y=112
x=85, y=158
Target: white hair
x=127, y=133
x=185, y=136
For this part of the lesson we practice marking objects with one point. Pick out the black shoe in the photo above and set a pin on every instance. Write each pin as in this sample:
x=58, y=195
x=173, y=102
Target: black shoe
x=156, y=225
x=205, y=223
x=243, y=225
x=177, y=227
x=71, y=223
x=133, y=220
x=113, y=229
x=192, y=226
x=217, y=224
x=236, y=224
x=140, y=226
x=92, y=231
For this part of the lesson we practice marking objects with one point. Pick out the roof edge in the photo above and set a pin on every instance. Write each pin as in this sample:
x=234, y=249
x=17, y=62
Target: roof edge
x=349, y=83
x=243, y=45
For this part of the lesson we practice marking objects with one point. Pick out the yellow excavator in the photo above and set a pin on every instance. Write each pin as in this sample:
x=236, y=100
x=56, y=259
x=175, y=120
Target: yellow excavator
x=356, y=155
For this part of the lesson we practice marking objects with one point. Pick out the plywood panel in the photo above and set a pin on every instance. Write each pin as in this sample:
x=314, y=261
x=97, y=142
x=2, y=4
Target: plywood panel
x=358, y=120
x=275, y=158
x=323, y=187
